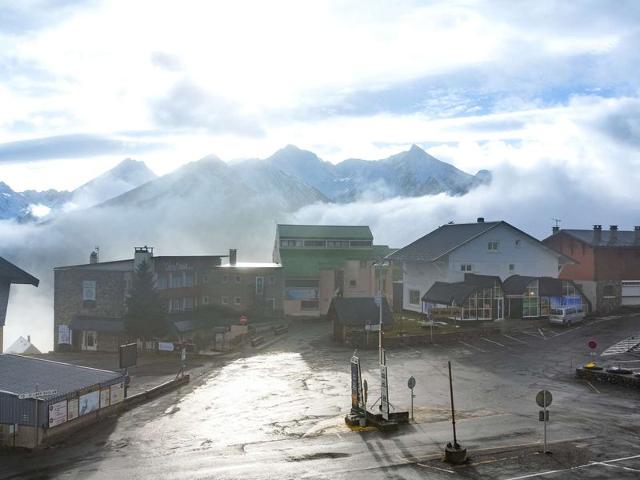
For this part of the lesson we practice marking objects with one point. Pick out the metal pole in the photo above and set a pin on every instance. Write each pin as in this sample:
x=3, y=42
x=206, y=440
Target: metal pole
x=544, y=450
x=412, y=419
x=453, y=412
x=36, y=401
x=380, y=309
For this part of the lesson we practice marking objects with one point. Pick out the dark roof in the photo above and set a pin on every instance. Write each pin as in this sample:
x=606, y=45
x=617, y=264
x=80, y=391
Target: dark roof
x=14, y=274
x=360, y=311
x=447, y=238
x=22, y=374
x=349, y=232
x=547, y=286
x=99, y=324
x=486, y=281
x=622, y=238
x=449, y=293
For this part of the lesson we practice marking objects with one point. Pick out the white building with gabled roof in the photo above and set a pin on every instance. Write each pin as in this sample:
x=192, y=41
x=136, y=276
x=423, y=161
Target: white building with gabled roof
x=484, y=248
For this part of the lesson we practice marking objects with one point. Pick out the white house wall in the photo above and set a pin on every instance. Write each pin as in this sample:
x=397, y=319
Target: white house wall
x=529, y=258
x=420, y=276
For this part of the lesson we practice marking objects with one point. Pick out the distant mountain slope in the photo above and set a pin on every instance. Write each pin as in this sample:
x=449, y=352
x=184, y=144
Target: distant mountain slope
x=13, y=205
x=125, y=176
x=411, y=173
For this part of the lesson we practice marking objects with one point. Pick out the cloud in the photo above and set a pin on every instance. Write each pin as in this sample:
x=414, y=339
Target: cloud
x=189, y=106
x=167, y=61
x=69, y=146
x=621, y=124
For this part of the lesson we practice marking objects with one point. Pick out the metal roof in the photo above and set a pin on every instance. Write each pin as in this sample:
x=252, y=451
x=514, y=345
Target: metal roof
x=360, y=311
x=22, y=374
x=349, y=232
x=447, y=238
x=98, y=324
x=547, y=286
x=449, y=293
x=607, y=238
x=13, y=274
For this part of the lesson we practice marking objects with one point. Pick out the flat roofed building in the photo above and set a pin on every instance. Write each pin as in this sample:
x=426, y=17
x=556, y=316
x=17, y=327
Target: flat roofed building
x=321, y=262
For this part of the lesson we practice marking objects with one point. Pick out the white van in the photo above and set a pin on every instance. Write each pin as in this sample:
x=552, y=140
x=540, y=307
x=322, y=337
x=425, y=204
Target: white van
x=566, y=315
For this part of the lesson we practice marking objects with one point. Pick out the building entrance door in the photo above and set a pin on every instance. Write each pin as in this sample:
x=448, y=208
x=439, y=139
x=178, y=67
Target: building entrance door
x=499, y=308
x=90, y=340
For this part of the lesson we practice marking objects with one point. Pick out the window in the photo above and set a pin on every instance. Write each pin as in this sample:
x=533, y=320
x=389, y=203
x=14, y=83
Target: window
x=224, y=300
x=337, y=243
x=89, y=290
x=237, y=278
x=414, y=297
x=360, y=243
x=259, y=286
x=466, y=267
x=188, y=303
x=188, y=279
x=272, y=280
x=352, y=283
x=162, y=282
x=512, y=267
x=309, y=305
x=236, y=300
x=205, y=300
x=518, y=243
x=492, y=246
x=530, y=302
x=291, y=243
x=175, y=305
x=177, y=280
x=315, y=243
x=225, y=279
x=271, y=303
x=478, y=305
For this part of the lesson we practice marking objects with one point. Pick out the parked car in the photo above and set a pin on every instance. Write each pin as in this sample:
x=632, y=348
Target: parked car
x=566, y=315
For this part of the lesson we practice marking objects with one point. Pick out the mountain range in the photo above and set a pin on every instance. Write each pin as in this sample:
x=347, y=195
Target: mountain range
x=287, y=180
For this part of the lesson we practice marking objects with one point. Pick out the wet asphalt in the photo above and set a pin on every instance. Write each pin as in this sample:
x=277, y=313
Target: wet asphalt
x=279, y=413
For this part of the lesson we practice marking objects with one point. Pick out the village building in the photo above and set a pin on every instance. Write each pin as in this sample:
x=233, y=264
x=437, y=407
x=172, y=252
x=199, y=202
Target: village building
x=90, y=299
x=356, y=320
x=40, y=399
x=607, y=267
x=451, y=252
x=321, y=262
x=23, y=346
x=10, y=274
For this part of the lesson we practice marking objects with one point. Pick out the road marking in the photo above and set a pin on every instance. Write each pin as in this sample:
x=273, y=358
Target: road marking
x=487, y=340
x=567, y=331
x=549, y=472
x=627, y=361
x=591, y=385
x=435, y=468
x=624, y=346
x=515, y=339
x=471, y=346
x=616, y=466
x=531, y=334
x=541, y=333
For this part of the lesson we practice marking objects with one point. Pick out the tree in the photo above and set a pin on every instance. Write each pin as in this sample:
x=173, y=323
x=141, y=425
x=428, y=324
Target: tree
x=146, y=315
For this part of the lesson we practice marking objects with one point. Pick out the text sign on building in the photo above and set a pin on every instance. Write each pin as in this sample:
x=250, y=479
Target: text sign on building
x=37, y=395
x=57, y=413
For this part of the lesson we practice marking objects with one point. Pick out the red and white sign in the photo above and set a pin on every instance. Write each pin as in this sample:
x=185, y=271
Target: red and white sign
x=243, y=320
x=592, y=344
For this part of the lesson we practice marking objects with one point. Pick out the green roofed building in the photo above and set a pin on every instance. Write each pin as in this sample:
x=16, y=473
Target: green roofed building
x=324, y=261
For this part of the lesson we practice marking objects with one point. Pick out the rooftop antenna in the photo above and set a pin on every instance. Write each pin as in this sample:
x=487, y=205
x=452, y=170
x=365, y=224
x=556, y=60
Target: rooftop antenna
x=97, y=250
x=557, y=220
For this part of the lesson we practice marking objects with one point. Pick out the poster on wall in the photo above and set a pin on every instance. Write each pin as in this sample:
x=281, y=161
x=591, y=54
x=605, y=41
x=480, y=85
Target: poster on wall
x=104, y=397
x=89, y=402
x=117, y=393
x=301, y=293
x=72, y=409
x=57, y=413
x=64, y=335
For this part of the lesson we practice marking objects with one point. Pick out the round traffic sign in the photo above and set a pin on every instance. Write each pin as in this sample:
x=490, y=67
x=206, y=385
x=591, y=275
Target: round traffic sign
x=592, y=344
x=544, y=398
x=411, y=383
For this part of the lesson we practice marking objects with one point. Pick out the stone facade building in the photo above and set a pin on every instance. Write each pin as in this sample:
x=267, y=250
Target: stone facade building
x=90, y=299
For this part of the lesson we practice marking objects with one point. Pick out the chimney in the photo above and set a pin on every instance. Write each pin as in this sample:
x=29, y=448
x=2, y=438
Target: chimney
x=480, y=219
x=636, y=238
x=233, y=254
x=555, y=229
x=143, y=254
x=613, y=233
x=29, y=338
x=93, y=258
x=597, y=234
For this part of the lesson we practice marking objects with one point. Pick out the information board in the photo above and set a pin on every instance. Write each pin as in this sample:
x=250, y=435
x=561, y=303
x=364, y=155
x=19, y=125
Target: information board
x=57, y=413
x=89, y=402
x=72, y=409
x=117, y=393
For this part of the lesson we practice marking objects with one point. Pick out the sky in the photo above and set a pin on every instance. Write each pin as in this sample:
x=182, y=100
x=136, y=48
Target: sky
x=479, y=84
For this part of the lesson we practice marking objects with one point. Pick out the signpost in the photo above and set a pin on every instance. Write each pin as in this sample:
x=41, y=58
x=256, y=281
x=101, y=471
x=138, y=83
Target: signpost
x=357, y=396
x=544, y=399
x=411, y=384
x=384, y=393
x=592, y=345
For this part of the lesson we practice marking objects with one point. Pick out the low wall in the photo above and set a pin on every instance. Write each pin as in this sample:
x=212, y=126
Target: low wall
x=627, y=380
x=359, y=341
x=49, y=435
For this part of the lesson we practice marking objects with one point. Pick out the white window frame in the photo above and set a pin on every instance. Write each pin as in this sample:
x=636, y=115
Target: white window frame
x=493, y=246
x=409, y=296
x=89, y=290
x=466, y=267
x=237, y=300
x=260, y=291
x=224, y=300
